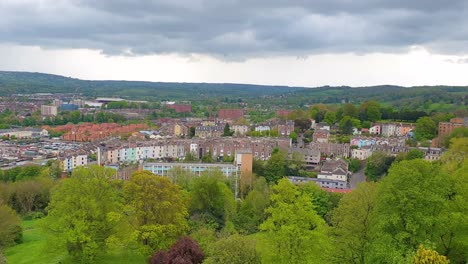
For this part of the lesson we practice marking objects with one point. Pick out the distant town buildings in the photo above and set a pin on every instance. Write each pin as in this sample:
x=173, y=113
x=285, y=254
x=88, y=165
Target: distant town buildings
x=230, y=113
x=321, y=136
x=49, y=110
x=180, y=108
x=446, y=128
x=334, y=170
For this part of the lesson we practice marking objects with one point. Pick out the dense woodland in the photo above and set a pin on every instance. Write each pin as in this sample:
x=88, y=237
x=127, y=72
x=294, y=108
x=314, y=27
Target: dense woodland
x=417, y=213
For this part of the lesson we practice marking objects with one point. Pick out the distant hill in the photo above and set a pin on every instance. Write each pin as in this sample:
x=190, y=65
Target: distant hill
x=27, y=82
x=427, y=98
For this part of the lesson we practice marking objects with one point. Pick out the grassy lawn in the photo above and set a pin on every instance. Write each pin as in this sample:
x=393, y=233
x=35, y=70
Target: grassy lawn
x=34, y=249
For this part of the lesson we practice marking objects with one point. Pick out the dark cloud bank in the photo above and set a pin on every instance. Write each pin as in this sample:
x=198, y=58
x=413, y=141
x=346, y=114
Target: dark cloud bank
x=237, y=29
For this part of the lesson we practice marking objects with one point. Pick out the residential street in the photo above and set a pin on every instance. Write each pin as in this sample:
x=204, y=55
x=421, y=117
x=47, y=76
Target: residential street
x=357, y=177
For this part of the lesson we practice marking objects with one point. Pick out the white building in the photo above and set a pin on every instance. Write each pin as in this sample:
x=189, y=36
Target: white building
x=48, y=110
x=262, y=128
x=71, y=162
x=240, y=130
x=361, y=154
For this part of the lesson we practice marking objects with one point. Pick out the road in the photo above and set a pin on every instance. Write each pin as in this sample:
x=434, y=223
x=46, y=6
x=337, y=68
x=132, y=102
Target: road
x=357, y=177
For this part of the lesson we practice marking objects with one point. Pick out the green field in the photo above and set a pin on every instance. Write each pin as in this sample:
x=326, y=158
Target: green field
x=35, y=249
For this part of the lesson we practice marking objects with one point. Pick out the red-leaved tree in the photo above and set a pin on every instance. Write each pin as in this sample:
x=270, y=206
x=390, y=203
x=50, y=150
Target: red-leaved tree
x=184, y=251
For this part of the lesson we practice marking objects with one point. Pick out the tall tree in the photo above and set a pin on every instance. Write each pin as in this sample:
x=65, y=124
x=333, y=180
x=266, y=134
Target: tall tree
x=251, y=211
x=10, y=227
x=211, y=199
x=275, y=167
x=410, y=200
x=294, y=229
x=330, y=118
x=160, y=210
x=80, y=209
x=352, y=222
x=346, y=125
x=454, y=242
x=426, y=128
x=350, y=110
x=370, y=111
x=377, y=165
x=227, y=131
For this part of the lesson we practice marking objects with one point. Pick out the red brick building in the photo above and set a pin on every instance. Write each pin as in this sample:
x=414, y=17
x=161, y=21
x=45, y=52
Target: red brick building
x=89, y=132
x=230, y=113
x=180, y=108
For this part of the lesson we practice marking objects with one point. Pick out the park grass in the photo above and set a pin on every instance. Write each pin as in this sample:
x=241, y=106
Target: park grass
x=35, y=249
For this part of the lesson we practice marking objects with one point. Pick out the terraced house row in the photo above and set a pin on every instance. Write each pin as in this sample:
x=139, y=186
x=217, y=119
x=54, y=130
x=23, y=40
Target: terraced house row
x=118, y=152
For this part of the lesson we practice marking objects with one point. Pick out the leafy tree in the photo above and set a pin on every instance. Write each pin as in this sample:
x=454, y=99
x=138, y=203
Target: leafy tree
x=370, y=111
x=324, y=202
x=251, y=211
x=454, y=217
x=190, y=157
x=295, y=164
x=350, y=110
x=55, y=168
x=212, y=199
x=410, y=155
x=2, y=258
x=184, y=251
x=354, y=165
x=83, y=212
x=425, y=128
x=31, y=195
x=293, y=228
x=377, y=165
x=227, y=131
x=191, y=132
x=293, y=137
x=303, y=124
x=428, y=256
x=10, y=227
x=160, y=210
x=275, y=167
x=458, y=132
x=181, y=177
x=352, y=223
x=234, y=250
x=258, y=167
x=346, y=125
x=330, y=118
x=208, y=158
x=408, y=207
x=318, y=111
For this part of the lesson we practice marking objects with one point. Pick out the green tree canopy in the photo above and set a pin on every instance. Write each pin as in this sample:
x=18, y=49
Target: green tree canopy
x=294, y=229
x=234, y=250
x=159, y=208
x=275, y=167
x=377, y=165
x=352, y=223
x=212, y=199
x=10, y=227
x=425, y=129
x=82, y=212
x=410, y=200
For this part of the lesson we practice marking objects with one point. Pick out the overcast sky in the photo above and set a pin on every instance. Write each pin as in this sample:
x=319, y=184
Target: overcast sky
x=289, y=42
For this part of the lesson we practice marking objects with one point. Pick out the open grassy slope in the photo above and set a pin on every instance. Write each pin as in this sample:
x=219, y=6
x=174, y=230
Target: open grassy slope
x=35, y=249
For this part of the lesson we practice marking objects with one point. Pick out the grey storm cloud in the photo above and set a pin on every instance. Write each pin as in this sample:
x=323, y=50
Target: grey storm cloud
x=235, y=28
